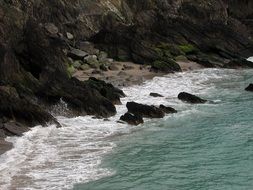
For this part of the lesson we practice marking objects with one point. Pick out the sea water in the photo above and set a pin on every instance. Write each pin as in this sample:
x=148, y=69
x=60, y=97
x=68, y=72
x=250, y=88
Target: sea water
x=207, y=146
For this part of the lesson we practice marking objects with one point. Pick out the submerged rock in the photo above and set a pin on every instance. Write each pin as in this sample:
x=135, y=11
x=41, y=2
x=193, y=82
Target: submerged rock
x=167, y=109
x=155, y=95
x=186, y=97
x=249, y=88
x=132, y=119
x=144, y=110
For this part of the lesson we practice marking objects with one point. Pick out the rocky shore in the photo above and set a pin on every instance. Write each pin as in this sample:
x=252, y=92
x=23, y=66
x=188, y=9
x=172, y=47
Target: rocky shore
x=64, y=50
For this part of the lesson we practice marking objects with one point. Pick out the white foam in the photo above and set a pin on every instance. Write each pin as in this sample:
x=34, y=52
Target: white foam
x=250, y=59
x=51, y=158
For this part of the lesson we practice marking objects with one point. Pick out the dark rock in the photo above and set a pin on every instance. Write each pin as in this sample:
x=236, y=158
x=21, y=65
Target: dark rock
x=249, y=88
x=168, y=66
x=103, y=68
x=88, y=47
x=4, y=146
x=77, y=54
x=51, y=28
x=2, y=133
x=14, y=129
x=127, y=67
x=132, y=119
x=155, y=95
x=144, y=110
x=91, y=97
x=96, y=72
x=113, y=68
x=167, y=110
x=107, y=90
x=21, y=110
x=186, y=97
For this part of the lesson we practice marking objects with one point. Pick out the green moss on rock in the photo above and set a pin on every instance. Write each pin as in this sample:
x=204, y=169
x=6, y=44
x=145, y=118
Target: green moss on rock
x=181, y=58
x=168, y=65
x=188, y=49
x=71, y=69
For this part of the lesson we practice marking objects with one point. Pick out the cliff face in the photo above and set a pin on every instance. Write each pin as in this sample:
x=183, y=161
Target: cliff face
x=33, y=44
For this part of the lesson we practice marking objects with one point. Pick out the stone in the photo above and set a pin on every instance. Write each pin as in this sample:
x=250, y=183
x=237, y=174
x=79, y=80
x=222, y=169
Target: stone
x=84, y=67
x=167, y=66
x=2, y=133
x=107, y=90
x=4, y=146
x=144, y=110
x=96, y=72
x=51, y=28
x=181, y=58
x=88, y=47
x=113, y=67
x=249, y=88
x=92, y=61
x=71, y=70
x=103, y=68
x=102, y=56
x=155, y=95
x=77, y=54
x=189, y=98
x=77, y=64
x=167, y=109
x=16, y=129
x=127, y=67
x=22, y=110
x=70, y=36
x=132, y=119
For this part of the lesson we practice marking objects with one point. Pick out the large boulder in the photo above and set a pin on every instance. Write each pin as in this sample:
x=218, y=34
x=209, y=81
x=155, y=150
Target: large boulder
x=144, y=110
x=77, y=54
x=189, y=98
x=132, y=119
x=249, y=88
x=107, y=90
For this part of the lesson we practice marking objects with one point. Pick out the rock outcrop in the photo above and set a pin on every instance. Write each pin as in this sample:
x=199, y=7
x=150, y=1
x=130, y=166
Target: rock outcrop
x=189, y=98
x=132, y=119
x=144, y=110
x=249, y=88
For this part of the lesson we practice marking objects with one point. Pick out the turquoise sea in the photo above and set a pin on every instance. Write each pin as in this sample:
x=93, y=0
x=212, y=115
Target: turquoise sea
x=206, y=146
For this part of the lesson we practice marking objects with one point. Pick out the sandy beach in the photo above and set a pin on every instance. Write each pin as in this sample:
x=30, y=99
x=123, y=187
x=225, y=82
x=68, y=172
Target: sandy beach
x=129, y=73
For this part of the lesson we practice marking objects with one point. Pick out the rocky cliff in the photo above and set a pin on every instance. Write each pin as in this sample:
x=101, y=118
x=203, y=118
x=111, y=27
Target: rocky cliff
x=36, y=36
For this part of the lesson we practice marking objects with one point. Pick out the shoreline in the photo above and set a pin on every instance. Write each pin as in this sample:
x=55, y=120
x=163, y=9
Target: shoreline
x=126, y=74
x=100, y=124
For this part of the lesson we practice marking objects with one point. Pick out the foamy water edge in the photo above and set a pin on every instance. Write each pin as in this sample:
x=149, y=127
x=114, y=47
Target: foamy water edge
x=59, y=158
